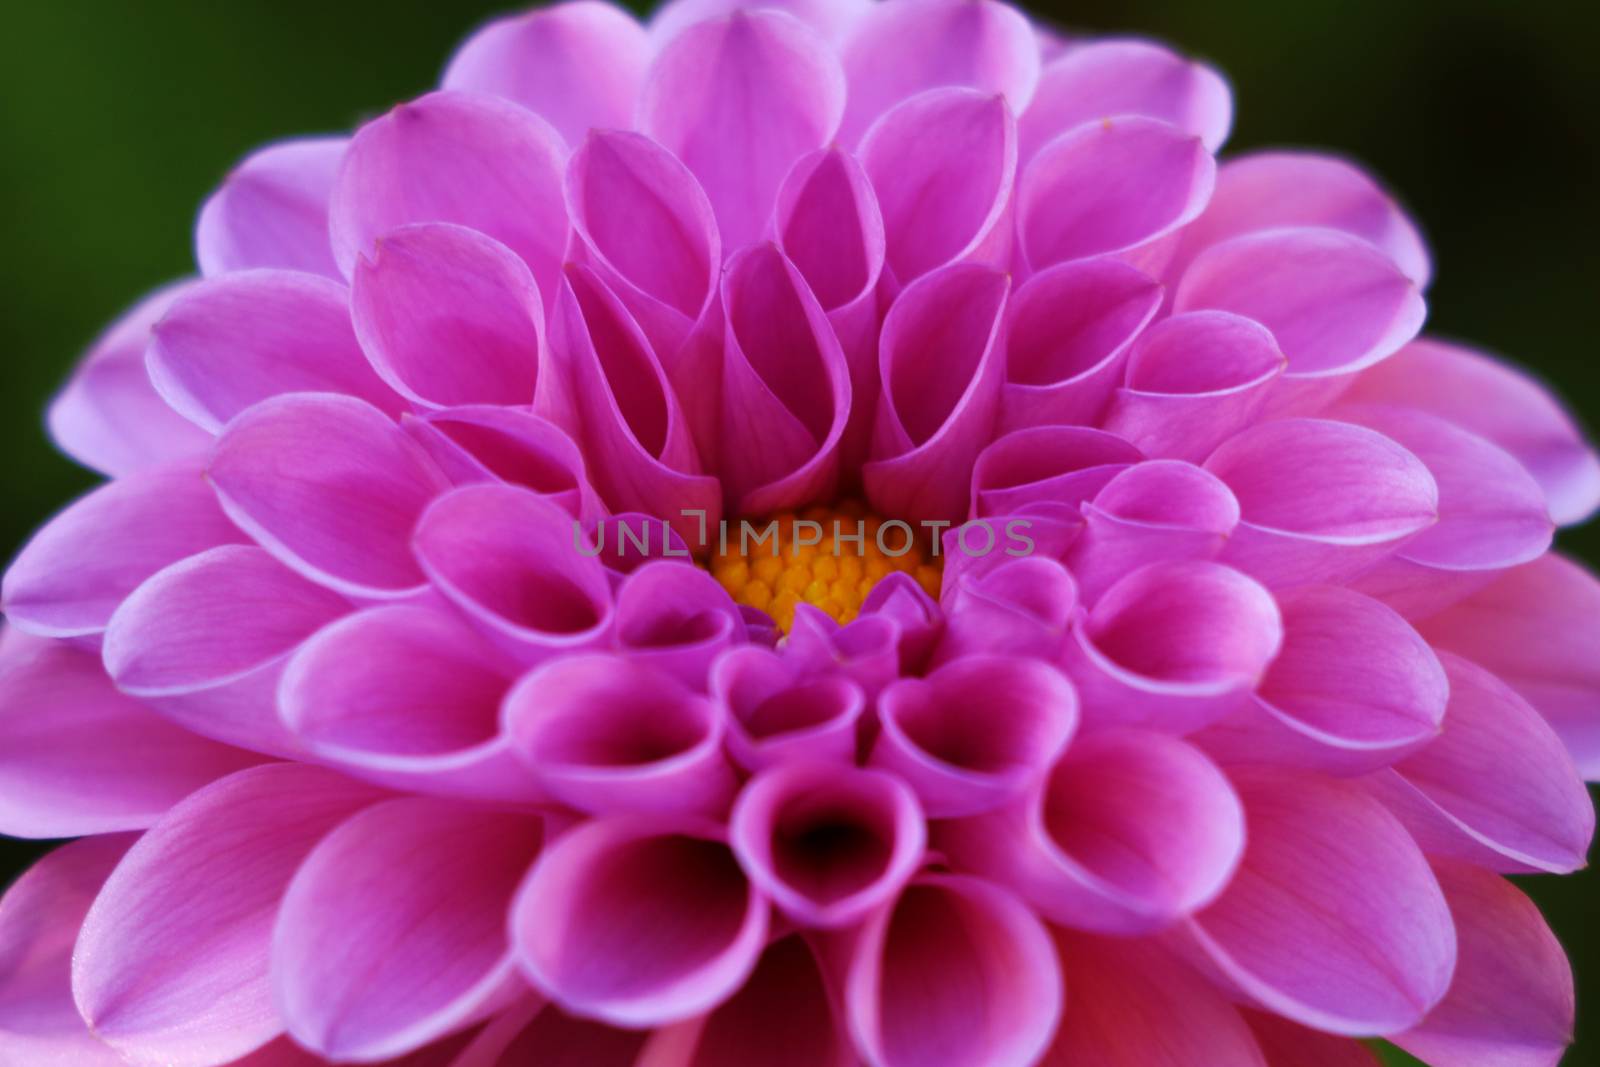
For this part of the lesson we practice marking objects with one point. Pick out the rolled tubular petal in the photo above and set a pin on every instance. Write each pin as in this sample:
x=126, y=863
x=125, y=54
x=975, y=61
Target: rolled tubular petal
x=1067, y=336
x=1333, y=919
x=426, y=161
x=512, y=561
x=775, y=715
x=943, y=165
x=675, y=617
x=409, y=697
x=172, y=962
x=941, y=381
x=108, y=416
x=1020, y=606
x=1497, y=788
x=578, y=64
x=1101, y=79
x=1320, y=501
x=866, y=651
x=272, y=210
x=1174, y=646
x=638, y=921
x=898, y=51
x=607, y=734
x=1054, y=464
x=976, y=732
x=714, y=84
x=78, y=757
x=1149, y=512
x=204, y=642
x=899, y=598
x=1110, y=187
x=956, y=971
x=488, y=443
x=40, y=914
x=72, y=574
x=1512, y=1000
x=392, y=933
x=1193, y=381
x=1130, y=832
x=449, y=316
x=827, y=844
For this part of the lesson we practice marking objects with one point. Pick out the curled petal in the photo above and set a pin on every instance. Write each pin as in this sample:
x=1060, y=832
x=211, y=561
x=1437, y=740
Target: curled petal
x=865, y=650
x=375, y=953
x=1020, y=605
x=676, y=617
x=578, y=65
x=1056, y=464
x=776, y=716
x=956, y=971
x=635, y=540
x=976, y=732
x=638, y=921
x=489, y=443
x=272, y=210
x=899, y=598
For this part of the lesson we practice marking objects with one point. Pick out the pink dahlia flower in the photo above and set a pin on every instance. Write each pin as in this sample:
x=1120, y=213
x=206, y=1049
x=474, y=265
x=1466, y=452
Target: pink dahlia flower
x=1158, y=659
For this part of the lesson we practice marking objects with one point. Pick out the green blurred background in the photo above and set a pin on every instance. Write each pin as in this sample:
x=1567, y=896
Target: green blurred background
x=119, y=117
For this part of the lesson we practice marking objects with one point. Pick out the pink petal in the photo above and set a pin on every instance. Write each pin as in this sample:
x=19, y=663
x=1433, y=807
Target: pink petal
x=81, y=758
x=489, y=443
x=775, y=715
x=449, y=316
x=831, y=18
x=426, y=161
x=231, y=341
x=72, y=574
x=1020, y=605
x=1110, y=187
x=1333, y=919
x=1511, y=1003
x=550, y=1038
x=1320, y=500
x=1286, y=1043
x=739, y=99
x=956, y=971
x=827, y=844
x=943, y=164
x=865, y=651
x=272, y=210
x=171, y=965
x=677, y=618
x=1501, y=403
x=1193, y=381
x=108, y=416
x=638, y=921
x=899, y=598
x=1055, y=464
x=330, y=486
x=578, y=65
x=898, y=50
x=375, y=953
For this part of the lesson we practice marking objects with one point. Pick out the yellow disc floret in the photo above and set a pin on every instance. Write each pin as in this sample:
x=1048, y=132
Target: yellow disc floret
x=830, y=557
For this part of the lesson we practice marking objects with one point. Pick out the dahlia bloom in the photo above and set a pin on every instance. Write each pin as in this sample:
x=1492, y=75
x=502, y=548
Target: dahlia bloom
x=1157, y=660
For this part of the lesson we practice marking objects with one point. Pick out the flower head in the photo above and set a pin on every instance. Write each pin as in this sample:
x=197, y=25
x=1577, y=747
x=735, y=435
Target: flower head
x=824, y=533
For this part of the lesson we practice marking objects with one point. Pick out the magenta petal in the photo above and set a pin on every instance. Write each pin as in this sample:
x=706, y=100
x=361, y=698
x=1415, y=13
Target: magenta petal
x=108, y=416
x=1193, y=381
x=1499, y=402
x=831, y=18
x=677, y=618
x=956, y=971
x=272, y=210
x=941, y=380
x=899, y=50
x=827, y=844
x=39, y=918
x=776, y=716
x=1055, y=464
x=638, y=921
x=80, y=757
x=1102, y=79
x=578, y=65
x=1110, y=187
x=1022, y=605
x=1333, y=919
x=1285, y=1042
x=1174, y=646
x=426, y=161
x=898, y=598
x=1320, y=500
x=516, y=564
x=611, y=734
x=489, y=443
x=172, y=962
x=1511, y=1002
x=543, y=1034
x=943, y=165
x=72, y=574
x=975, y=732
x=739, y=99
x=1130, y=832
x=330, y=486
x=408, y=697
x=1067, y=336
x=375, y=953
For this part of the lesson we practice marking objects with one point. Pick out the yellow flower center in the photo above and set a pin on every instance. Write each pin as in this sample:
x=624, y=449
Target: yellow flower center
x=830, y=557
